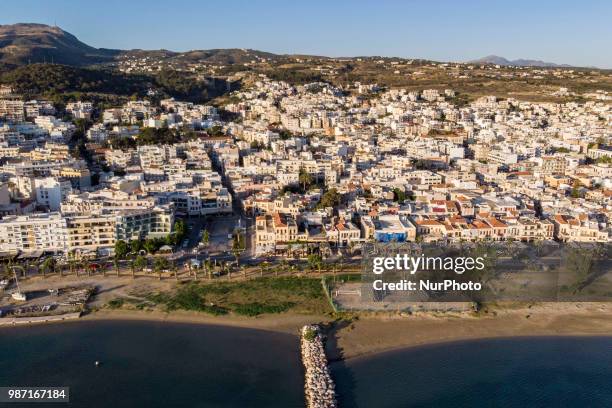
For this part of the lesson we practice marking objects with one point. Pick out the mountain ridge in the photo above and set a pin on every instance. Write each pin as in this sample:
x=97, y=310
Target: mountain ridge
x=521, y=62
x=25, y=43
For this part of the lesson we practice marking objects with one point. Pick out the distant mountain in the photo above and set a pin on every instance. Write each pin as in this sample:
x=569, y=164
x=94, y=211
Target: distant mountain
x=497, y=60
x=31, y=43
x=26, y=43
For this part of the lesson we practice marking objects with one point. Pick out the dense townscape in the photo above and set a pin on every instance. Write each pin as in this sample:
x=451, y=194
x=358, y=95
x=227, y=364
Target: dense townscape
x=353, y=210
x=311, y=165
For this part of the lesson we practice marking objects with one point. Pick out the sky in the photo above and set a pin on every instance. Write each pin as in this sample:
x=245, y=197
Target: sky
x=575, y=32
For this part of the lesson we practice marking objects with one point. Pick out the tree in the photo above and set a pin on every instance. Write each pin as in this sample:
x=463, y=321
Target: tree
x=150, y=246
x=205, y=241
x=180, y=231
x=47, y=265
x=399, y=195
x=315, y=261
x=209, y=268
x=116, y=264
x=331, y=198
x=575, y=193
x=238, y=246
x=304, y=178
x=140, y=262
x=121, y=249
x=136, y=245
x=159, y=264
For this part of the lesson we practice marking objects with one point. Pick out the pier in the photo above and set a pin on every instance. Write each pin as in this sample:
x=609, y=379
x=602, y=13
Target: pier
x=319, y=386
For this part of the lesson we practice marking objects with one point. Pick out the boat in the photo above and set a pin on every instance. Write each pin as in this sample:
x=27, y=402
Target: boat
x=19, y=296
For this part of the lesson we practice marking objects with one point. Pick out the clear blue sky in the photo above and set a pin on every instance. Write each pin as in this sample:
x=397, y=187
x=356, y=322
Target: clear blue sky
x=576, y=32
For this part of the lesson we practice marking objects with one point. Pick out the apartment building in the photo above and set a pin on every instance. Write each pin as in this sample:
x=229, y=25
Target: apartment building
x=145, y=223
x=578, y=229
x=90, y=233
x=33, y=232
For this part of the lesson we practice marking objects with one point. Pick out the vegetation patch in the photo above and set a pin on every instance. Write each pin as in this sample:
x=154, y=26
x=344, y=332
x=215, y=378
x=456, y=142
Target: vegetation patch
x=256, y=308
x=248, y=298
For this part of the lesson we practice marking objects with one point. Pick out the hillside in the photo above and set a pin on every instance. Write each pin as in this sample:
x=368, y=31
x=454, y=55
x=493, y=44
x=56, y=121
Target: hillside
x=35, y=79
x=497, y=60
x=31, y=43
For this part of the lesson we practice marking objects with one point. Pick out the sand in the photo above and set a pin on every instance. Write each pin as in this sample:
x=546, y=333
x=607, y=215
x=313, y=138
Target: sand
x=373, y=334
x=376, y=333
x=368, y=333
x=285, y=323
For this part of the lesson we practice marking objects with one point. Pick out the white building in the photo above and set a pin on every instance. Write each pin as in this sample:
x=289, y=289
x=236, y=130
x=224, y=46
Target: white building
x=50, y=192
x=46, y=232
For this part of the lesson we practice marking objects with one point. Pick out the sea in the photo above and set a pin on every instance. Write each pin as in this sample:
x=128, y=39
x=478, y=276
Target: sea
x=154, y=364
x=521, y=372
x=161, y=364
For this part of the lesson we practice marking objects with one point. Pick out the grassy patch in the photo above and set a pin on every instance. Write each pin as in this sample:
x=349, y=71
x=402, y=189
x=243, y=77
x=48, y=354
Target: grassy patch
x=116, y=303
x=247, y=298
x=256, y=308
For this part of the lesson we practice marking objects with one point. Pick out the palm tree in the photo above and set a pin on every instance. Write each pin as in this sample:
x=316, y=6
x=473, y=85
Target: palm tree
x=205, y=239
x=48, y=264
x=159, y=264
x=209, y=268
x=71, y=262
x=140, y=263
x=238, y=246
x=284, y=265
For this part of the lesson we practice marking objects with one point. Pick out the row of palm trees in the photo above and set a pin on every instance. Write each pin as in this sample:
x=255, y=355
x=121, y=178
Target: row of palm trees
x=159, y=265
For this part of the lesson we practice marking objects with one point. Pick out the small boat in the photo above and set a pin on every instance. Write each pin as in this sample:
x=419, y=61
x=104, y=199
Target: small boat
x=97, y=363
x=19, y=296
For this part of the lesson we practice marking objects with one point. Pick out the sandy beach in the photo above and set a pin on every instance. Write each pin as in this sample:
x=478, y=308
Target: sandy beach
x=371, y=334
x=376, y=333
x=285, y=323
x=366, y=333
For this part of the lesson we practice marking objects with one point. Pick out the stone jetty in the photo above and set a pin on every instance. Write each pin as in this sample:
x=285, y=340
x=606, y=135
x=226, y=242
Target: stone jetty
x=319, y=387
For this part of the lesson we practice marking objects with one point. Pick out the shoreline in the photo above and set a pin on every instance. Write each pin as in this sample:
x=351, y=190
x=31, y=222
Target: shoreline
x=375, y=353
x=283, y=323
x=378, y=334
x=368, y=335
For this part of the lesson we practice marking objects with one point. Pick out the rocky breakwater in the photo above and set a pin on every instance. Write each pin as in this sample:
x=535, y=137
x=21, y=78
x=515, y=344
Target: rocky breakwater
x=319, y=387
